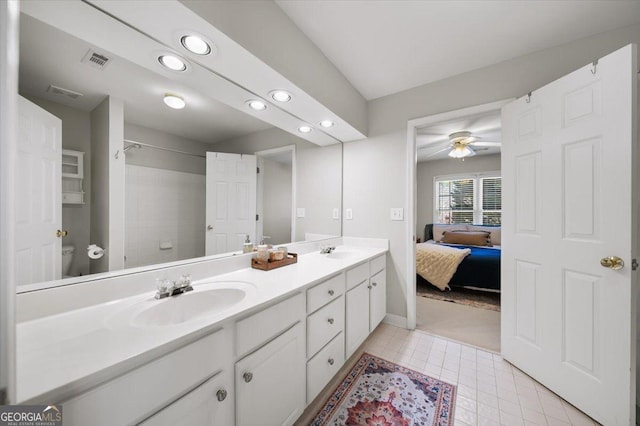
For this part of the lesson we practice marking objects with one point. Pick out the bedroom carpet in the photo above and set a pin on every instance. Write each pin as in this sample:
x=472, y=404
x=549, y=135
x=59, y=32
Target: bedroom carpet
x=466, y=324
x=380, y=392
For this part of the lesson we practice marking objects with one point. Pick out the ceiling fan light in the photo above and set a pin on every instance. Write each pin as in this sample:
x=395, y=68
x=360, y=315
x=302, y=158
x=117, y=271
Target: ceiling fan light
x=461, y=151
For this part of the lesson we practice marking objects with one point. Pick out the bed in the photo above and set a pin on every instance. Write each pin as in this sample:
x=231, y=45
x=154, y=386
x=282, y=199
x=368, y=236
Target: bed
x=479, y=269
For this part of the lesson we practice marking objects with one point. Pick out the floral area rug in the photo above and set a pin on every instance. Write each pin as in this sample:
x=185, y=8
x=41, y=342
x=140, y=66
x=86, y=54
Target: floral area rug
x=377, y=392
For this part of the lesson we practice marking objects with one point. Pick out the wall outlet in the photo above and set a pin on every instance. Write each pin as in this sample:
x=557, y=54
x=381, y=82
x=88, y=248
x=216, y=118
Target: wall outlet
x=336, y=213
x=349, y=214
x=397, y=213
x=300, y=212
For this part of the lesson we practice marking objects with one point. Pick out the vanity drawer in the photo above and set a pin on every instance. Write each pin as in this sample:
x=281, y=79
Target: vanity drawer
x=378, y=264
x=146, y=389
x=259, y=328
x=322, y=367
x=323, y=325
x=356, y=275
x=325, y=292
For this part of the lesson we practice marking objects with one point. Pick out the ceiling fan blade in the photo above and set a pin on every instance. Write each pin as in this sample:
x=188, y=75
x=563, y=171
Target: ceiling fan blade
x=435, y=152
x=485, y=143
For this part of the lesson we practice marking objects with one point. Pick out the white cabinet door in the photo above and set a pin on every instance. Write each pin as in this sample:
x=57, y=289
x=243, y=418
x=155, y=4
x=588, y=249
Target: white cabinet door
x=357, y=317
x=569, y=155
x=231, y=201
x=270, y=383
x=210, y=404
x=377, y=299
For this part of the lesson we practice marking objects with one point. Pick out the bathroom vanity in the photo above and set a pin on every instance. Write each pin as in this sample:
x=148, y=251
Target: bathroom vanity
x=246, y=347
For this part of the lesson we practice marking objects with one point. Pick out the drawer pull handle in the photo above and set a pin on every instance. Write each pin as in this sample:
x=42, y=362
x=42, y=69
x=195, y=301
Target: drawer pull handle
x=374, y=284
x=331, y=361
x=247, y=377
x=331, y=292
x=221, y=395
x=331, y=320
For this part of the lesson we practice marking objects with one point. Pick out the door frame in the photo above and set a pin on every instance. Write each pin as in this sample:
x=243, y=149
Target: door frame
x=412, y=184
x=292, y=149
x=9, y=33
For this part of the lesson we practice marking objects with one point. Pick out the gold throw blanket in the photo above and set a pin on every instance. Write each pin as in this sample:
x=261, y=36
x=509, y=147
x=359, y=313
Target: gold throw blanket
x=437, y=264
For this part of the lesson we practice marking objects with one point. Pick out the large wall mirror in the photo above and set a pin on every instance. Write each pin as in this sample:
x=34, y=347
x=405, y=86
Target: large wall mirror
x=140, y=182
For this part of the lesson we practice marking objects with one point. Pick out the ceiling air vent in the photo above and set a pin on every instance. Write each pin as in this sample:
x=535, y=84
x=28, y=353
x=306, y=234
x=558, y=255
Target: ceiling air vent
x=96, y=60
x=64, y=92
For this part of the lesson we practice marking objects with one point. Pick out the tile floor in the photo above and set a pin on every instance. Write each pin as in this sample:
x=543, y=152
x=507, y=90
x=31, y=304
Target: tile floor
x=490, y=391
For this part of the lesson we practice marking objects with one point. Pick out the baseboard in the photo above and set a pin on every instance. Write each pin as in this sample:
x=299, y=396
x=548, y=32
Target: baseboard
x=395, y=320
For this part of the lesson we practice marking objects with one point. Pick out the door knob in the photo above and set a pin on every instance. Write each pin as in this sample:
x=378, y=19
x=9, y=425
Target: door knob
x=209, y=227
x=61, y=233
x=612, y=262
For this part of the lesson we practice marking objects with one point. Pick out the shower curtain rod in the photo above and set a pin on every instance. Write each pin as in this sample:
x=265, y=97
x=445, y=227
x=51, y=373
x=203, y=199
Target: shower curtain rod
x=164, y=149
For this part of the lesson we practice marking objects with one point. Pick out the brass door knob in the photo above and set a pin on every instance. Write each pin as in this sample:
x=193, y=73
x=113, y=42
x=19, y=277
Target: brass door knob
x=612, y=262
x=61, y=233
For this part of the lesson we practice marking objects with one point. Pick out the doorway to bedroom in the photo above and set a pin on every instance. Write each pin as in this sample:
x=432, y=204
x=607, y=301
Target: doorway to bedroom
x=458, y=224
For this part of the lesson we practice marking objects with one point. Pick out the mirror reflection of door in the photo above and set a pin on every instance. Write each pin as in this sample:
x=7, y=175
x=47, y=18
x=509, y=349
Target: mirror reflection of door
x=231, y=201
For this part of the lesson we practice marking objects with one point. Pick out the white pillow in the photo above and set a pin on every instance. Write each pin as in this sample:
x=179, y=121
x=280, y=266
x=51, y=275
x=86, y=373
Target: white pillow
x=496, y=232
x=438, y=229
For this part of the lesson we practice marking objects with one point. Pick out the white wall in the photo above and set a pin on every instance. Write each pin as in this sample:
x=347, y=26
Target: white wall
x=276, y=207
x=427, y=170
x=375, y=167
x=163, y=206
x=76, y=218
x=107, y=185
x=150, y=157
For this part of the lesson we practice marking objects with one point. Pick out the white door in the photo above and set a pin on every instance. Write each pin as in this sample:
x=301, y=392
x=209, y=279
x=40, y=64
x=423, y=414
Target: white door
x=270, y=383
x=567, y=158
x=38, y=203
x=231, y=201
x=210, y=404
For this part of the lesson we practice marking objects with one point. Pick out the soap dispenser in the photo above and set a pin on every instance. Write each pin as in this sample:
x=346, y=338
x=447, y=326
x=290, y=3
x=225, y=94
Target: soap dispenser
x=247, y=247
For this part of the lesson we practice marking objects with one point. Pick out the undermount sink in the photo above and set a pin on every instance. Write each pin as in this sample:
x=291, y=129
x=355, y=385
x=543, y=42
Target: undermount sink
x=189, y=306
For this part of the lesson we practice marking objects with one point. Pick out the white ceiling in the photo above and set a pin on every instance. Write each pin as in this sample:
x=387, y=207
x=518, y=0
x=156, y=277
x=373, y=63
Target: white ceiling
x=486, y=127
x=383, y=47
x=50, y=56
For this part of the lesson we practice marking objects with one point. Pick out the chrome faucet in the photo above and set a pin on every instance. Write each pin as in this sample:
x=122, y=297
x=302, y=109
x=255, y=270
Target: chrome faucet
x=327, y=249
x=167, y=288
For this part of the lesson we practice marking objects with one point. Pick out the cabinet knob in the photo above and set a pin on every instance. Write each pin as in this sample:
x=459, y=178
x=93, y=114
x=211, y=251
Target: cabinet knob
x=374, y=284
x=331, y=320
x=221, y=395
x=209, y=227
x=330, y=361
x=247, y=377
x=369, y=287
x=331, y=292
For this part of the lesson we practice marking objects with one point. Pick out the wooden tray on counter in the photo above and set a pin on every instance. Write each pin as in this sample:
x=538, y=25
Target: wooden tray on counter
x=267, y=265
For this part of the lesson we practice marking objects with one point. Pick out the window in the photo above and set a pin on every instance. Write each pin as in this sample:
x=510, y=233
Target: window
x=469, y=199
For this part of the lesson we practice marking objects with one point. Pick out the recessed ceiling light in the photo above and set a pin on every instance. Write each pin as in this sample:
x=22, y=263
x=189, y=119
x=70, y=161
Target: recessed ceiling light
x=174, y=101
x=195, y=44
x=281, y=96
x=172, y=62
x=257, y=105
x=305, y=129
x=327, y=123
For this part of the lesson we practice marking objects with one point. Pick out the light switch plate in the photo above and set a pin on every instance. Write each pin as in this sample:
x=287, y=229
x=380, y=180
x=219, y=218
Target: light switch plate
x=300, y=212
x=349, y=214
x=397, y=213
x=336, y=213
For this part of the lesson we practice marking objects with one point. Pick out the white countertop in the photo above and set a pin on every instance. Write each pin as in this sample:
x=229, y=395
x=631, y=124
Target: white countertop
x=65, y=354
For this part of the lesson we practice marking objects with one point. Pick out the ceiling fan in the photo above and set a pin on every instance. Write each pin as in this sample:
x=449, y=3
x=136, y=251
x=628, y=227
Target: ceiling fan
x=461, y=145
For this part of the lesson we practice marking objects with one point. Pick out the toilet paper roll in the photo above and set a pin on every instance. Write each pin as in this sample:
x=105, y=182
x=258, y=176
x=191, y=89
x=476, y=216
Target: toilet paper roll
x=95, y=252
